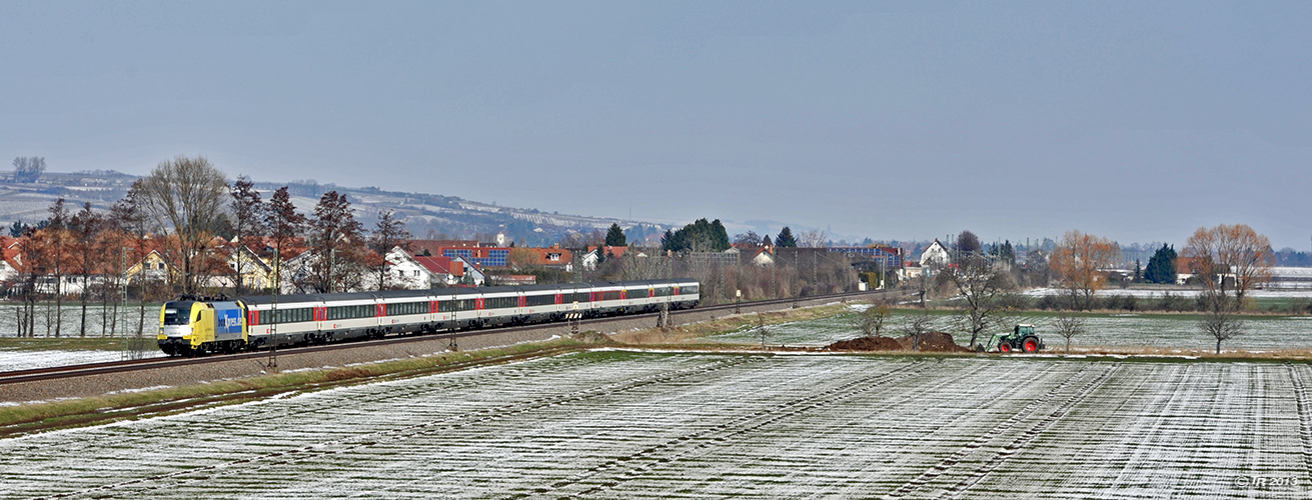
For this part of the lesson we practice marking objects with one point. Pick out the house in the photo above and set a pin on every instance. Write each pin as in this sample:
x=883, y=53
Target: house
x=590, y=259
x=473, y=276
x=153, y=267
x=936, y=256
x=501, y=256
x=910, y=270
x=514, y=279
x=256, y=274
x=434, y=247
x=420, y=272
x=757, y=256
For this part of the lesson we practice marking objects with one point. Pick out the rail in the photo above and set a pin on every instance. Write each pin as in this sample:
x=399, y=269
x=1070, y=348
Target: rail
x=69, y=371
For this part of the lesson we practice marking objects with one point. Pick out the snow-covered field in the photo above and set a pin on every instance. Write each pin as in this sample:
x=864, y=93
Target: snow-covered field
x=11, y=360
x=615, y=424
x=99, y=323
x=1116, y=330
x=1143, y=294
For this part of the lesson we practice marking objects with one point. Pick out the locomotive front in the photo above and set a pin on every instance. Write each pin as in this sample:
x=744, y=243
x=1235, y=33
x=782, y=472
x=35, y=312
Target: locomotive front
x=189, y=325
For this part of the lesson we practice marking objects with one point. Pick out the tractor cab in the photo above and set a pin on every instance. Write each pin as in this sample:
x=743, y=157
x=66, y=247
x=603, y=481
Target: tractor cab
x=1021, y=338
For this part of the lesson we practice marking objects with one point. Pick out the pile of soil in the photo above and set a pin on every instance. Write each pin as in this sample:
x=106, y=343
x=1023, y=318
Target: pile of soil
x=933, y=342
x=865, y=344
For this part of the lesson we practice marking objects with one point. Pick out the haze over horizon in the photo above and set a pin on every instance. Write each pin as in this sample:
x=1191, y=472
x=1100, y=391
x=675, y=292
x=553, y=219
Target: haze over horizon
x=1136, y=121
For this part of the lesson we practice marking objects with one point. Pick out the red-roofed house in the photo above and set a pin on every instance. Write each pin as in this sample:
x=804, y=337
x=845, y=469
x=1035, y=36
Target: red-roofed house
x=422, y=271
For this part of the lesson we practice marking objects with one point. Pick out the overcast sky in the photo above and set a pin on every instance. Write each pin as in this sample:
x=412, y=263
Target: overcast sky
x=1140, y=121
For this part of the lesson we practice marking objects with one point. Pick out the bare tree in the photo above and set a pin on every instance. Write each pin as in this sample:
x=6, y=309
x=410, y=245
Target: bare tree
x=28, y=169
x=1068, y=326
x=33, y=250
x=284, y=224
x=85, y=227
x=247, y=222
x=812, y=239
x=983, y=287
x=130, y=217
x=1221, y=324
x=968, y=243
x=335, y=245
x=918, y=326
x=389, y=233
x=186, y=195
x=56, y=239
x=872, y=319
x=747, y=239
x=1080, y=261
x=1229, y=260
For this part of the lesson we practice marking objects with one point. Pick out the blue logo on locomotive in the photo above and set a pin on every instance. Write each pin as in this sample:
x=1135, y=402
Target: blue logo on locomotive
x=227, y=321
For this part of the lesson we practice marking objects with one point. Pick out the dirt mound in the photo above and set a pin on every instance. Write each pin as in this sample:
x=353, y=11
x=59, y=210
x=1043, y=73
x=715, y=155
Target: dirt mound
x=865, y=344
x=933, y=342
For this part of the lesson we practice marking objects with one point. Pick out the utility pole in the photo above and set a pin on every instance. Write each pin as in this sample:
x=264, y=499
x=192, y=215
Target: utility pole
x=272, y=365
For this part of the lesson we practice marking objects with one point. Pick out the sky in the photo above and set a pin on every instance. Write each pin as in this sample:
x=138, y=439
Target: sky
x=1139, y=121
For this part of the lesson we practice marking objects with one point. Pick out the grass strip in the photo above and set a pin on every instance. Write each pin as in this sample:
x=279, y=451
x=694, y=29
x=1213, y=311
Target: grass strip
x=25, y=419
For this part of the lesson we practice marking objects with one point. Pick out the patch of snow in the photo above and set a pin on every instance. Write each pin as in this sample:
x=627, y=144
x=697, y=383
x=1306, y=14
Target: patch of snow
x=29, y=360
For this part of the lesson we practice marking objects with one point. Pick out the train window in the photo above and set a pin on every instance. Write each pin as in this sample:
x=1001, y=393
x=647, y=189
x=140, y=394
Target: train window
x=349, y=312
x=638, y=293
x=540, y=300
x=274, y=316
x=446, y=306
x=177, y=313
x=610, y=295
x=500, y=302
x=465, y=305
x=688, y=290
x=407, y=308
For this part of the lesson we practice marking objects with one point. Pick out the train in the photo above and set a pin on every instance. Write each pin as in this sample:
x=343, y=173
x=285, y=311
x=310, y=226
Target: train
x=192, y=325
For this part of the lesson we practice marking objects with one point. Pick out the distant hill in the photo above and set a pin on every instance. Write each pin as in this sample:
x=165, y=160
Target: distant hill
x=429, y=216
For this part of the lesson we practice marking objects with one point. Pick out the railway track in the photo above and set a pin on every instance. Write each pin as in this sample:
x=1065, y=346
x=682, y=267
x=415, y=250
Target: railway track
x=69, y=371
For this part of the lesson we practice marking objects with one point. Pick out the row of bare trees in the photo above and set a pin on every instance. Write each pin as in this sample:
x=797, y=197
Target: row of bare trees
x=89, y=249
x=178, y=210
x=1229, y=261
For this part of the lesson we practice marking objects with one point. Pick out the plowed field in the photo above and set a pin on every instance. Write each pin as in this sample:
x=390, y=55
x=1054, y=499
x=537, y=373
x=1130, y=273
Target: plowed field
x=616, y=424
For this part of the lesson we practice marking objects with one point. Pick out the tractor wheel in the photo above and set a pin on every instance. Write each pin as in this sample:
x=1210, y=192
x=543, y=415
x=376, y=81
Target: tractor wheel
x=1004, y=347
x=1030, y=344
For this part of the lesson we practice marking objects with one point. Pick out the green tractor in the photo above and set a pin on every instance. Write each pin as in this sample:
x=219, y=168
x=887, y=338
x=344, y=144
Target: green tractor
x=1021, y=338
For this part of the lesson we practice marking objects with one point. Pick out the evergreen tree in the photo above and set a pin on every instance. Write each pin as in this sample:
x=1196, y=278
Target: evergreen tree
x=719, y=236
x=765, y=241
x=1138, y=270
x=785, y=238
x=700, y=236
x=1161, y=267
x=615, y=236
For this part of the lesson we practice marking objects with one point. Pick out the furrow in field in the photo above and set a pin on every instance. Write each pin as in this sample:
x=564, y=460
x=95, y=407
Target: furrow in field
x=349, y=438
x=1304, y=418
x=972, y=449
x=1023, y=439
x=614, y=473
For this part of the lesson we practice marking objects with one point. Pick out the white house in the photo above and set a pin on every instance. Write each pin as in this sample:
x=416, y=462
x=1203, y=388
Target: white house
x=935, y=256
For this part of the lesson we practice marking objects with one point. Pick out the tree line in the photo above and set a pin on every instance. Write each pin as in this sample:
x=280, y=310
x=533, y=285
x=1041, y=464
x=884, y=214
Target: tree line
x=1226, y=262
x=177, y=212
